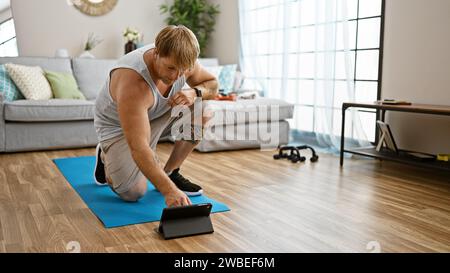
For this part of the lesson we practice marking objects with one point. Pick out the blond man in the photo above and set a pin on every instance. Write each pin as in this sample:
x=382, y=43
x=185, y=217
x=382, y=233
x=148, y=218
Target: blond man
x=133, y=110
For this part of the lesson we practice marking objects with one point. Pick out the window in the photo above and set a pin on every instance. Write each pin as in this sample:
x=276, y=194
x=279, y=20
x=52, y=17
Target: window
x=8, y=43
x=296, y=47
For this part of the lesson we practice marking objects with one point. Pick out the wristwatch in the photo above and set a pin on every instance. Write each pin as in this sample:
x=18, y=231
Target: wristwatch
x=198, y=92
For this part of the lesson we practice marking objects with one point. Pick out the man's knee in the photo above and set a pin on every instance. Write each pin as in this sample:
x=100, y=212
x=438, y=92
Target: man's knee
x=132, y=196
x=135, y=193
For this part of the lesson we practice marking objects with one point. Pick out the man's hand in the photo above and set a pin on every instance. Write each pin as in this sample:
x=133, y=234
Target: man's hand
x=184, y=97
x=177, y=198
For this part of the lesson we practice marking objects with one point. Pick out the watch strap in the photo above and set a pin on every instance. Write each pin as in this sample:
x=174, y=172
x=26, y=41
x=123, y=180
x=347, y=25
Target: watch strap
x=198, y=92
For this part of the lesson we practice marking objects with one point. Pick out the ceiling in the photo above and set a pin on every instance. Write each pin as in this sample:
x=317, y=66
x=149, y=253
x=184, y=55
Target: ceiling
x=4, y=4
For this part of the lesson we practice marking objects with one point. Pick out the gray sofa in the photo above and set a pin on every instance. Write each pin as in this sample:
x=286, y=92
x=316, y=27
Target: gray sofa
x=59, y=124
x=54, y=124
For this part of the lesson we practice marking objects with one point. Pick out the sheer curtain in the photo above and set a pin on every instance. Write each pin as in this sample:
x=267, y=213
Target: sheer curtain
x=299, y=51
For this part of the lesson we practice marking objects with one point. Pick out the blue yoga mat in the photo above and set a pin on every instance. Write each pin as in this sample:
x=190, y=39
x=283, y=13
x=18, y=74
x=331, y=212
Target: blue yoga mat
x=107, y=206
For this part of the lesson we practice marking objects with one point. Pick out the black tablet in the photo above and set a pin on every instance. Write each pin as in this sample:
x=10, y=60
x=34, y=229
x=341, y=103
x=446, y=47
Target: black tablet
x=184, y=221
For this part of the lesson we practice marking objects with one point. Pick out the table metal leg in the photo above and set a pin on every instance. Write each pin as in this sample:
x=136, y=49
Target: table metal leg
x=342, y=136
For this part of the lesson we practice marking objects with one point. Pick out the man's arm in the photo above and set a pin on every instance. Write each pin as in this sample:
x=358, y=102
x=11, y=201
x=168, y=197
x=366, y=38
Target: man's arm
x=200, y=78
x=133, y=102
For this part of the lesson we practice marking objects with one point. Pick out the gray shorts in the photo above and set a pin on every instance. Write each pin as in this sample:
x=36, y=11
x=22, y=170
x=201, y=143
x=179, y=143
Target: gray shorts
x=120, y=168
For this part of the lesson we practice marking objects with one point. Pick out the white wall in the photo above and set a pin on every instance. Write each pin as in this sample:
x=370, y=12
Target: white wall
x=417, y=68
x=45, y=25
x=225, y=41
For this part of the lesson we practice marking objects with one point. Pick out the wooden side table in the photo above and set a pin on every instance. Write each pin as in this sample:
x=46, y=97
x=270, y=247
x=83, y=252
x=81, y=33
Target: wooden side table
x=402, y=156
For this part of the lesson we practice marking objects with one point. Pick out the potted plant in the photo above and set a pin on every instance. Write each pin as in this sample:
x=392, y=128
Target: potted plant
x=92, y=41
x=133, y=37
x=198, y=15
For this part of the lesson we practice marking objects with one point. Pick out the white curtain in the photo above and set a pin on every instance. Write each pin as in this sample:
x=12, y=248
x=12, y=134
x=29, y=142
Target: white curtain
x=299, y=51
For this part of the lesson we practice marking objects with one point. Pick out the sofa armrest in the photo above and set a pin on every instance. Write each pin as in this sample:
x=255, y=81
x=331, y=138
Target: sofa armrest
x=2, y=124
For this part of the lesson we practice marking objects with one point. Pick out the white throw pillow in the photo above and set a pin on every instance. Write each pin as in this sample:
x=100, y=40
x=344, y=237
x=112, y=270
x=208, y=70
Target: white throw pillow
x=31, y=81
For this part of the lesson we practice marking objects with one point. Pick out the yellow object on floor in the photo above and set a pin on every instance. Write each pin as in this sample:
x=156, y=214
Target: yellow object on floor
x=443, y=157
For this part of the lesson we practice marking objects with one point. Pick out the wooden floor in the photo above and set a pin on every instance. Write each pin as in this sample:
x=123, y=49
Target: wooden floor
x=276, y=206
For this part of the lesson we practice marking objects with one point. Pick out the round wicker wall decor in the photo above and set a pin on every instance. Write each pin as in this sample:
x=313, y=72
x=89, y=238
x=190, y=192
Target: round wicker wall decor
x=95, y=7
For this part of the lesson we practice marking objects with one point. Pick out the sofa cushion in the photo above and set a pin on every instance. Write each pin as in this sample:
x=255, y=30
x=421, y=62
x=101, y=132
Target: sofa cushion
x=266, y=136
x=248, y=111
x=8, y=88
x=227, y=77
x=91, y=75
x=53, y=64
x=31, y=81
x=64, y=85
x=49, y=110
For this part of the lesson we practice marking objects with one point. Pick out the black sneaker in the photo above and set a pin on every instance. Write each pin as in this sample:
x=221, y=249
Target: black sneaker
x=185, y=185
x=99, y=172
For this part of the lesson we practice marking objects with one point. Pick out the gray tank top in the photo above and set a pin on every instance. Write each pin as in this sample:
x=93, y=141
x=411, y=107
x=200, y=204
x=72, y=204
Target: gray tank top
x=106, y=118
